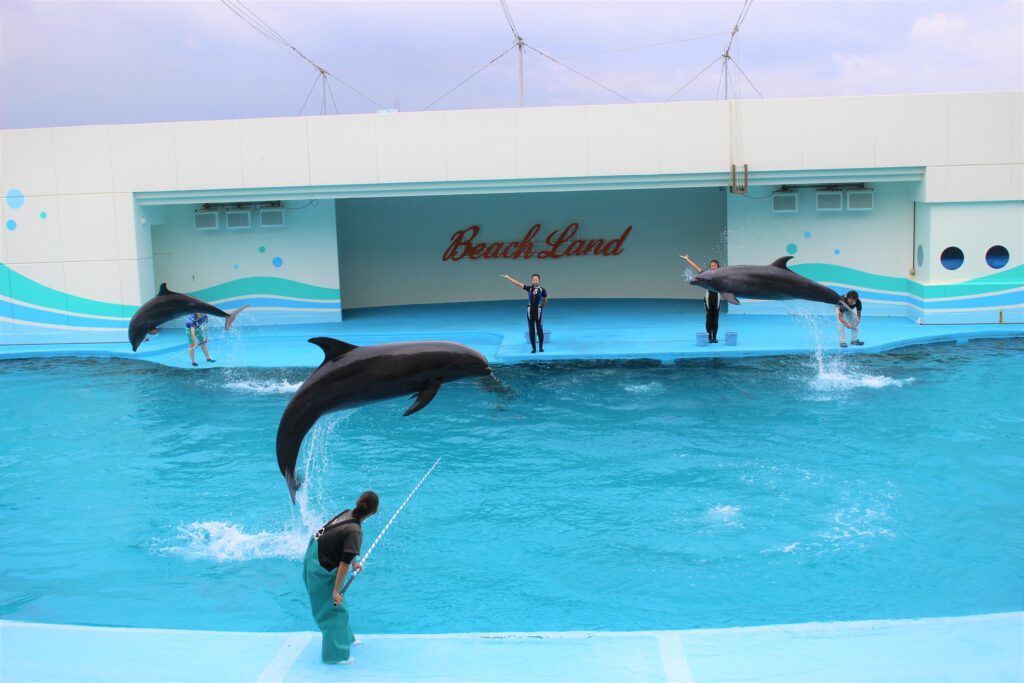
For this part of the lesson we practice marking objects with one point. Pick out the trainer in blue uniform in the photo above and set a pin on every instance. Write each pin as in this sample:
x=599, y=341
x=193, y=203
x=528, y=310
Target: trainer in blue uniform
x=538, y=299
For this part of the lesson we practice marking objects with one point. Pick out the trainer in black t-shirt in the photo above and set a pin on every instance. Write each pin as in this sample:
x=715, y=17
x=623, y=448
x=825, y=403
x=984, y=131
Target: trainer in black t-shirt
x=340, y=541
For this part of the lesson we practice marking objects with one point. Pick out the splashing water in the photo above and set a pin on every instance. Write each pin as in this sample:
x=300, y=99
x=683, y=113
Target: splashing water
x=228, y=542
x=281, y=386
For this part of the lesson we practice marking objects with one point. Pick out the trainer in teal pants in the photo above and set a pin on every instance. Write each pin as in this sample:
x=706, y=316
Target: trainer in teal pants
x=333, y=621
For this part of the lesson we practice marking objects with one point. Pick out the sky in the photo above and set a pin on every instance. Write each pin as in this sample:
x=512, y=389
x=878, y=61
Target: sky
x=87, y=62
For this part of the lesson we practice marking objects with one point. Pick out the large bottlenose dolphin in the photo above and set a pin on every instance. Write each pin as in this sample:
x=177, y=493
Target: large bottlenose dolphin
x=168, y=305
x=352, y=375
x=774, y=281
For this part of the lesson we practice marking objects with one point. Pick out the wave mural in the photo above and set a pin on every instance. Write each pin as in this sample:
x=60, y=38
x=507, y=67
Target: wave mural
x=980, y=300
x=29, y=309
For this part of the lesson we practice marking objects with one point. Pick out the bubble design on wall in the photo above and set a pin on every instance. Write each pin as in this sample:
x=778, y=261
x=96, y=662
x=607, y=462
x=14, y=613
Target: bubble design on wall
x=11, y=224
x=278, y=261
x=235, y=266
x=15, y=198
x=42, y=214
x=836, y=252
x=807, y=235
x=262, y=250
x=791, y=248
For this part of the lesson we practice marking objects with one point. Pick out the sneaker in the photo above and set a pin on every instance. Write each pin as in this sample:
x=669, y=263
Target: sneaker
x=842, y=345
x=350, y=660
x=857, y=342
x=195, y=365
x=357, y=642
x=210, y=360
x=542, y=350
x=533, y=351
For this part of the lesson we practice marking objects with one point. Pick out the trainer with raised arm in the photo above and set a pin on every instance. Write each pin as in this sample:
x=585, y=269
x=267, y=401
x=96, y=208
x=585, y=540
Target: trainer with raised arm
x=712, y=302
x=331, y=551
x=538, y=299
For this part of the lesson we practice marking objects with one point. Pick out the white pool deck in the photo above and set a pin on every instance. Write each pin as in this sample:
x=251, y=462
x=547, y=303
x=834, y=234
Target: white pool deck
x=585, y=329
x=974, y=649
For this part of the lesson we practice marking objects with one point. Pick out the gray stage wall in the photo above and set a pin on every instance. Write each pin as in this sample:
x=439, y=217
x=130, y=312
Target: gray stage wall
x=391, y=249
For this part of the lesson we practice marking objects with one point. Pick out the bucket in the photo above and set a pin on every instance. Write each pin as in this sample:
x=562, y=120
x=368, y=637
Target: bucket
x=702, y=339
x=730, y=338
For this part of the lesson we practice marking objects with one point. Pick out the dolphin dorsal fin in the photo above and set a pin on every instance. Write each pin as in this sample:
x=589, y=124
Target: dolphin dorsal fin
x=781, y=262
x=163, y=290
x=333, y=348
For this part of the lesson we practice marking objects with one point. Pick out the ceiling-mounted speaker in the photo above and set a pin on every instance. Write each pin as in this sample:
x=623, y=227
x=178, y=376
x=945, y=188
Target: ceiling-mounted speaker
x=238, y=220
x=860, y=200
x=784, y=202
x=828, y=200
x=272, y=217
x=207, y=220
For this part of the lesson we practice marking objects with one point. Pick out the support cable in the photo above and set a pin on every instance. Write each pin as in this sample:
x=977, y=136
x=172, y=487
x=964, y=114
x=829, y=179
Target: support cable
x=582, y=75
x=469, y=77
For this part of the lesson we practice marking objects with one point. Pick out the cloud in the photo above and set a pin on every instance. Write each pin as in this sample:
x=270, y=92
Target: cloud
x=938, y=28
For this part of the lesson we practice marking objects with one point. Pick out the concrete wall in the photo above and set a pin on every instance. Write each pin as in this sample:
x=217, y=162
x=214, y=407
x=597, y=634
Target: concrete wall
x=391, y=249
x=76, y=260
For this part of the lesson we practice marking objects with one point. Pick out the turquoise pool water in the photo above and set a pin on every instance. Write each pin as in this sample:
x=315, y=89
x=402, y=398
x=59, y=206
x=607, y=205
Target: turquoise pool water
x=606, y=496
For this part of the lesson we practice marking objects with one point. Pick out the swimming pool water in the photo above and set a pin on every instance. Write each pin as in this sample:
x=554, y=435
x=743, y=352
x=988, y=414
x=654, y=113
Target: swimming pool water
x=603, y=495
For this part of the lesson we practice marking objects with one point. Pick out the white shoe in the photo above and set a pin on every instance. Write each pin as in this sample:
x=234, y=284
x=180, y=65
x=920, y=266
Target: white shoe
x=350, y=660
x=357, y=642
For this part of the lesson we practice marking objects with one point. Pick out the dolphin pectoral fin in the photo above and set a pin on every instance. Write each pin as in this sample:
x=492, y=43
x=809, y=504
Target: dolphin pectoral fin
x=230, y=320
x=293, y=484
x=781, y=262
x=730, y=297
x=332, y=348
x=425, y=396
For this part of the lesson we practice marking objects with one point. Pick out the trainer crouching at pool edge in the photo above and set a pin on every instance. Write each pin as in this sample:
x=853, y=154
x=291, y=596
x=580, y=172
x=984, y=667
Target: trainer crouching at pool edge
x=332, y=549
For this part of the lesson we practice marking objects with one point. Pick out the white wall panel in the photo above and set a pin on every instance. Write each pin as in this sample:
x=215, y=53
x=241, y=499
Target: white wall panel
x=552, y=142
x=979, y=183
x=96, y=280
x=693, y=137
x=35, y=240
x=622, y=139
x=481, y=148
x=980, y=128
x=88, y=228
x=342, y=149
x=142, y=158
x=838, y=132
x=910, y=130
x=274, y=152
x=82, y=158
x=209, y=154
x=26, y=162
x=772, y=134
x=411, y=147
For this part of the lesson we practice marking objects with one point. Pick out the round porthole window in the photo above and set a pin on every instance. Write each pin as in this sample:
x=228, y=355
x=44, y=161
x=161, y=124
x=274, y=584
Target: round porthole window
x=920, y=256
x=951, y=258
x=997, y=257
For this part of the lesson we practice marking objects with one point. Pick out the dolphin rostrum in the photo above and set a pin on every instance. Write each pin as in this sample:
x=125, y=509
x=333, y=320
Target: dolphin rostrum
x=168, y=305
x=352, y=375
x=774, y=281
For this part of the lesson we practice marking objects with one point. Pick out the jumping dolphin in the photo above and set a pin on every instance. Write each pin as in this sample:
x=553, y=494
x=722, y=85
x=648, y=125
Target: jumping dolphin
x=168, y=305
x=774, y=281
x=352, y=375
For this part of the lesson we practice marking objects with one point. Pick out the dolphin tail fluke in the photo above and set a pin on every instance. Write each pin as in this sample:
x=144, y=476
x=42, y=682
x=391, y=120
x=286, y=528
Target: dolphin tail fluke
x=231, y=318
x=423, y=398
x=730, y=297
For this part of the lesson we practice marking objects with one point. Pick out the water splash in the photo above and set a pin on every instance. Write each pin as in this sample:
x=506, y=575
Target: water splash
x=227, y=542
x=644, y=388
x=271, y=386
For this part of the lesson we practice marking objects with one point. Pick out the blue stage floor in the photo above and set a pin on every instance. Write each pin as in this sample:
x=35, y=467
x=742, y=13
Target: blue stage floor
x=576, y=329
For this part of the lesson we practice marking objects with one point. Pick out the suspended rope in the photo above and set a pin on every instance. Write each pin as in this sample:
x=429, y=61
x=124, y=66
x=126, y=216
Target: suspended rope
x=699, y=74
x=366, y=555
x=469, y=77
x=581, y=75
x=271, y=34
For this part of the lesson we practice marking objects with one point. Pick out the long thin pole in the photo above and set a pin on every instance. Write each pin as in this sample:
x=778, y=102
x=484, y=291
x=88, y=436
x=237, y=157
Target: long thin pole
x=366, y=555
x=521, y=98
